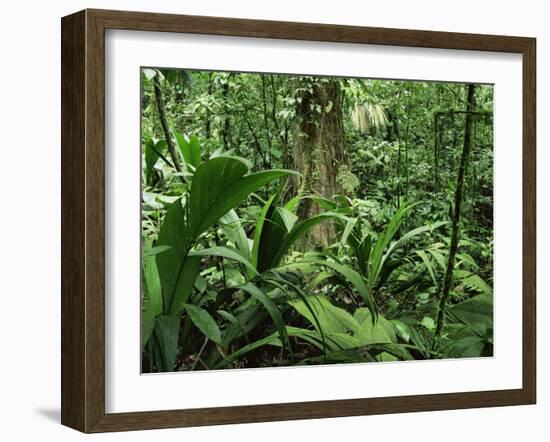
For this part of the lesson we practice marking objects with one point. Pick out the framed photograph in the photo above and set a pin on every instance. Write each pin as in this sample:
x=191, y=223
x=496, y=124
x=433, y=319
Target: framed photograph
x=267, y=220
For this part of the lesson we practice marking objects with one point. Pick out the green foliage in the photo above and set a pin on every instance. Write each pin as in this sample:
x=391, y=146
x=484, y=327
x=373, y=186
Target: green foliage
x=204, y=322
x=230, y=276
x=218, y=185
x=166, y=334
x=152, y=299
x=277, y=230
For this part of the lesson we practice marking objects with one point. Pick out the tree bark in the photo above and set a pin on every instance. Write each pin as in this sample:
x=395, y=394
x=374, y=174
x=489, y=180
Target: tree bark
x=319, y=151
x=447, y=282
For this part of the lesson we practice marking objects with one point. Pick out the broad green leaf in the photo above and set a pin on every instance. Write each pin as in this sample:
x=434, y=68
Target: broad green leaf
x=200, y=284
x=402, y=329
x=366, y=353
x=189, y=148
x=249, y=316
x=151, y=251
x=347, y=355
x=311, y=336
x=287, y=217
x=258, y=230
x=428, y=322
x=147, y=321
x=271, y=308
x=277, y=229
x=466, y=258
x=150, y=200
x=177, y=271
x=269, y=340
x=232, y=319
x=225, y=252
x=152, y=281
x=272, y=235
x=355, y=279
x=219, y=185
x=411, y=234
x=383, y=331
x=273, y=339
x=204, y=322
x=185, y=284
x=363, y=254
x=377, y=256
x=350, y=225
x=292, y=203
x=477, y=312
x=324, y=203
x=477, y=283
x=149, y=73
x=297, y=231
x=283, y=284
x=466, y=347
x=166, y=200
x=427, y=262
x=151, y=157
x=332, y=319
x=167, y=333
x=439, y=258
x=173, y=234
x=319, y=278
x=393, y=352
x=232, y=227
x=212, y=178
x=152, y=299
x=341, y=341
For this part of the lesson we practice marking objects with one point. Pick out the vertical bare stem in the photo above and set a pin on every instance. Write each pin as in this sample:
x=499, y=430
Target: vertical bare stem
x=165, y=126
x=456, y=215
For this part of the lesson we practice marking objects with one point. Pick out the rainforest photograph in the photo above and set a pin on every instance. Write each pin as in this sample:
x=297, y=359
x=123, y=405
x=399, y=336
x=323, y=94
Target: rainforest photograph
x=293, y=220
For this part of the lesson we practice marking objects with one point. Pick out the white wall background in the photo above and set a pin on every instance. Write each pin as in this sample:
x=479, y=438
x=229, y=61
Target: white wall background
x=30, y=217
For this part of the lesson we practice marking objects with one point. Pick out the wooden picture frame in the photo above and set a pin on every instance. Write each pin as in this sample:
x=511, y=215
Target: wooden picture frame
x=83, y=218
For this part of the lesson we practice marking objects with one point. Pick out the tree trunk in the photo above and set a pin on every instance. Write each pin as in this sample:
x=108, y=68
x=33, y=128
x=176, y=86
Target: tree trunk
x=319, y=151
x=447, y=282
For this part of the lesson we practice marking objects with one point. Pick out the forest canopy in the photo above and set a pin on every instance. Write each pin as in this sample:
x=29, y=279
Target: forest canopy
x=296, y=220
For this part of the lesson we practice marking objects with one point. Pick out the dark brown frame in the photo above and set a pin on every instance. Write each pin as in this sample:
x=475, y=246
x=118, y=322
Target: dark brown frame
x=83, y=215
